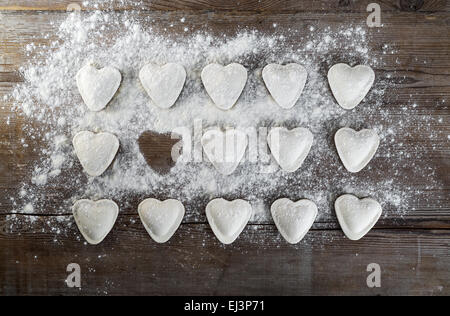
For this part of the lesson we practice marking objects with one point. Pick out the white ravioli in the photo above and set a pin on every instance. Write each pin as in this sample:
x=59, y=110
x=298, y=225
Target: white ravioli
x=228, y=219
x=226, y=149
x=98, y=86
x=294, y=220
x=224, y=84
x=95, y=219
x=356, y=149
x=290, y=147
x=285, y=83
x=163, y=83
x=350, y=85
x=357, y=217
x=161, y=219
x=95, y=151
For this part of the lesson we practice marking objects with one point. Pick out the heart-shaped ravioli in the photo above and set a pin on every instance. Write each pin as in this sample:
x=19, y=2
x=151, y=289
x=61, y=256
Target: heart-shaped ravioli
x=95, y=219
x=98, y=86
x=228, y=219
x=163, y=83
x=95, y=151
x=357, y=217
x=356, y=149
x=294, y=219
x=224, y=84
x=226, y=149
x=290, y=147
x=285, y=83
x=161, y=219
x=350, y=85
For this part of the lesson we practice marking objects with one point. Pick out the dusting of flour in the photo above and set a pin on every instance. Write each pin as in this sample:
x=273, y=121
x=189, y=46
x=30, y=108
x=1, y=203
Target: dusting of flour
x=49, y=97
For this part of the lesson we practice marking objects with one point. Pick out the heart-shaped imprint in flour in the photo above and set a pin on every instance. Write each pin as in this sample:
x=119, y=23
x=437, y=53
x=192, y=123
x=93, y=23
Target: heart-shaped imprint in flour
x=356, y=149
x=294, y=220
x=95, y=219
x=161, y=219
x=350, y=85
x=226, y=149
x=98, y=86
x=163, y=83
x=158, y=150
x=285, y=83
x=224, y=84
x=228, y=219
x=290, y=148
x=95, y=151
x=357, y=217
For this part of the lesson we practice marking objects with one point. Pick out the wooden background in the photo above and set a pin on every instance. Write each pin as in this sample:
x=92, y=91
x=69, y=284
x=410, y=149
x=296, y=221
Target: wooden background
x=413, y=251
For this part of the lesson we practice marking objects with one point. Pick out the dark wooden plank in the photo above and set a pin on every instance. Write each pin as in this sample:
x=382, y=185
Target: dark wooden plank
x=242, y=5
x=34, y=257
x=420, y=61
x=415, y=56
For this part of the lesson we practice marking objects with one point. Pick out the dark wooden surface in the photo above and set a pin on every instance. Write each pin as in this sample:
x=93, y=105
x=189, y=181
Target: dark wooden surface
x=266, y=6
x=411, y=248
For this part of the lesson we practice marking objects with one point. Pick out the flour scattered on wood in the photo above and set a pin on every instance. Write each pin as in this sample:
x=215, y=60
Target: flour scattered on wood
x=50, y=102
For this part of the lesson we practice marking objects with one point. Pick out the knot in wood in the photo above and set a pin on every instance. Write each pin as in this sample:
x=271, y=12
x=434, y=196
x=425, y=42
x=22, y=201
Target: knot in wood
x=411, y=5
x=344, y=3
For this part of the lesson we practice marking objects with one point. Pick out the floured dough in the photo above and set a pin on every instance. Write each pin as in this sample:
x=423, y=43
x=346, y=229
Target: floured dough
x=285, y=83
x=350, y=85
x=228, y=219
x=357, y=217
x=294, y=220
x=356, y=149
x=98, y=86
x=163, y=83
x=224, y=84
x=95, y=219
x=95, y=151
x=290, y=147
x=226, y=149
x=161, y=219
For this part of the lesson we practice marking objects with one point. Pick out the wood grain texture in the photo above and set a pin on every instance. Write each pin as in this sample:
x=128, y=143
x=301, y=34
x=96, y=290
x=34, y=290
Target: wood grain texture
x=420, y=67
x=195, y=263
x=267, y=6
x=411, y=247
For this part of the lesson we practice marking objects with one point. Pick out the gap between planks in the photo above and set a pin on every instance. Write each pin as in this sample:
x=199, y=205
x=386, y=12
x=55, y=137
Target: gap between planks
x=318, y=225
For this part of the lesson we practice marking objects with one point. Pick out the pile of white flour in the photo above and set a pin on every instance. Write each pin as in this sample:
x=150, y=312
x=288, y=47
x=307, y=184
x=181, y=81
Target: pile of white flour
x=49, y=99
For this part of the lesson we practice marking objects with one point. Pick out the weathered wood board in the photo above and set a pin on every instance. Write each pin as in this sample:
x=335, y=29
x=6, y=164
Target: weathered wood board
x=266, y=6
x=412, y=248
